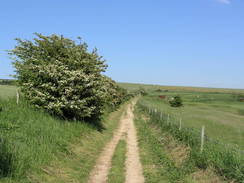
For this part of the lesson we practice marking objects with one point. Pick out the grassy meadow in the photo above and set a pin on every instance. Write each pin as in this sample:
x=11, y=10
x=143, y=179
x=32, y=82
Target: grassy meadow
x=163, y=140
x=7, y=91
x=219, y=110
x=221, y=114
x=150, y=87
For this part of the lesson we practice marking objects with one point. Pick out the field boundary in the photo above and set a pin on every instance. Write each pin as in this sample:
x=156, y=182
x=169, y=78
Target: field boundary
x=171, y=120
x=228, y=160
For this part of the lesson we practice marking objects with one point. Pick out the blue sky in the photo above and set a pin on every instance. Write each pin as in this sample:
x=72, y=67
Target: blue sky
x=168, y=42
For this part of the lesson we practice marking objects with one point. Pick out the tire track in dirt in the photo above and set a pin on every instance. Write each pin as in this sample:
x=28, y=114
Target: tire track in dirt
x=134, y=173
x=100, y=171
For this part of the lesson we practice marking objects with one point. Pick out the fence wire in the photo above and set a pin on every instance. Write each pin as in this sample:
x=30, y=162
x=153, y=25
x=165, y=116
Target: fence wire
x=173, y=122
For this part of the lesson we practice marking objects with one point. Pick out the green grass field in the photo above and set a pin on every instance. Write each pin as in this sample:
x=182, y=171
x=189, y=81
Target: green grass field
x=7, y=91
x=217, y=109
x=149, y=87
x=222, y=114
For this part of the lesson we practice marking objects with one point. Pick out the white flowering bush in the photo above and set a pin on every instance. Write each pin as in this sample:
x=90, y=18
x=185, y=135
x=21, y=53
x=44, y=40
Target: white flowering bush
x=63, y=77
x=116, y=95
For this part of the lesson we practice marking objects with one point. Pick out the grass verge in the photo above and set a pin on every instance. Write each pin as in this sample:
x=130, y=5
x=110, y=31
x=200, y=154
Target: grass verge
x=157, y=165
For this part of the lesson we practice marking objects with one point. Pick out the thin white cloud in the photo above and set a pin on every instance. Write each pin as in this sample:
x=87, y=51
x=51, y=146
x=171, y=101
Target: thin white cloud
x=224, y=1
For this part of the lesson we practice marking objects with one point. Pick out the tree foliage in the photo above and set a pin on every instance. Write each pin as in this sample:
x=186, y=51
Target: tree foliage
x=63, y=77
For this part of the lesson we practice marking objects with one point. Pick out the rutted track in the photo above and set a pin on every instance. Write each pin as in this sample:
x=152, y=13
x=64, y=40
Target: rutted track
x=133, y=166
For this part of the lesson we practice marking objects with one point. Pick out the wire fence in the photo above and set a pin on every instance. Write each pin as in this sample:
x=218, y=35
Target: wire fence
x=175, y=124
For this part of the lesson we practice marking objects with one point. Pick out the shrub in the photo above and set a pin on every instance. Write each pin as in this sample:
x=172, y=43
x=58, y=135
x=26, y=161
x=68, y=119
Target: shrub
x=115, y=94
x=142, y=91
x=176, y=101
x=241, y=98
x=159, y=90
x=61, y=76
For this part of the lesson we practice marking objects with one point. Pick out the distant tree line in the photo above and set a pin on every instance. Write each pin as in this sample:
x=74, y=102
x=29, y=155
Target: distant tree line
x=7, y=82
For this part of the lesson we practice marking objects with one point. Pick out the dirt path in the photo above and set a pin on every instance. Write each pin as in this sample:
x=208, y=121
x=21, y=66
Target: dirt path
x=134, y=173
x=133, y=166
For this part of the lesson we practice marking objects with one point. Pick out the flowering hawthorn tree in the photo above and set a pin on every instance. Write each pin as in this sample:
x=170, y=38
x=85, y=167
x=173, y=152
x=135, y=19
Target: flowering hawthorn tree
x=61, y=76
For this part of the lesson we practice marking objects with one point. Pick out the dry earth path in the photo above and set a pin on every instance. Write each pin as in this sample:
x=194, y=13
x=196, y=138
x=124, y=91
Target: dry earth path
x=134, y=173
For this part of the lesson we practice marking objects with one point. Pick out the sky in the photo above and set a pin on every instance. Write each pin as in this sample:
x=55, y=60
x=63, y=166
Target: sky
x=166, y=42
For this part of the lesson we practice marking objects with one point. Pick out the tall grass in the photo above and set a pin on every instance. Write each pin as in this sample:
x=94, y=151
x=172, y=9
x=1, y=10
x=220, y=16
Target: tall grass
x=30, y=138
x=227, y=160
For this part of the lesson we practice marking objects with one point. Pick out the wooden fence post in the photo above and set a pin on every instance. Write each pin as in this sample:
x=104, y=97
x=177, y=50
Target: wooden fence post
x=180, y=124
x=168, y=120
x=202, y=138
x=17, y=97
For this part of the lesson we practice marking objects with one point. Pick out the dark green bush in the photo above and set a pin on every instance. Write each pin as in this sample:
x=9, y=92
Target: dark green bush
x=142, y=92
x=159, y=90
x=241, y=98
x=176, y=101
